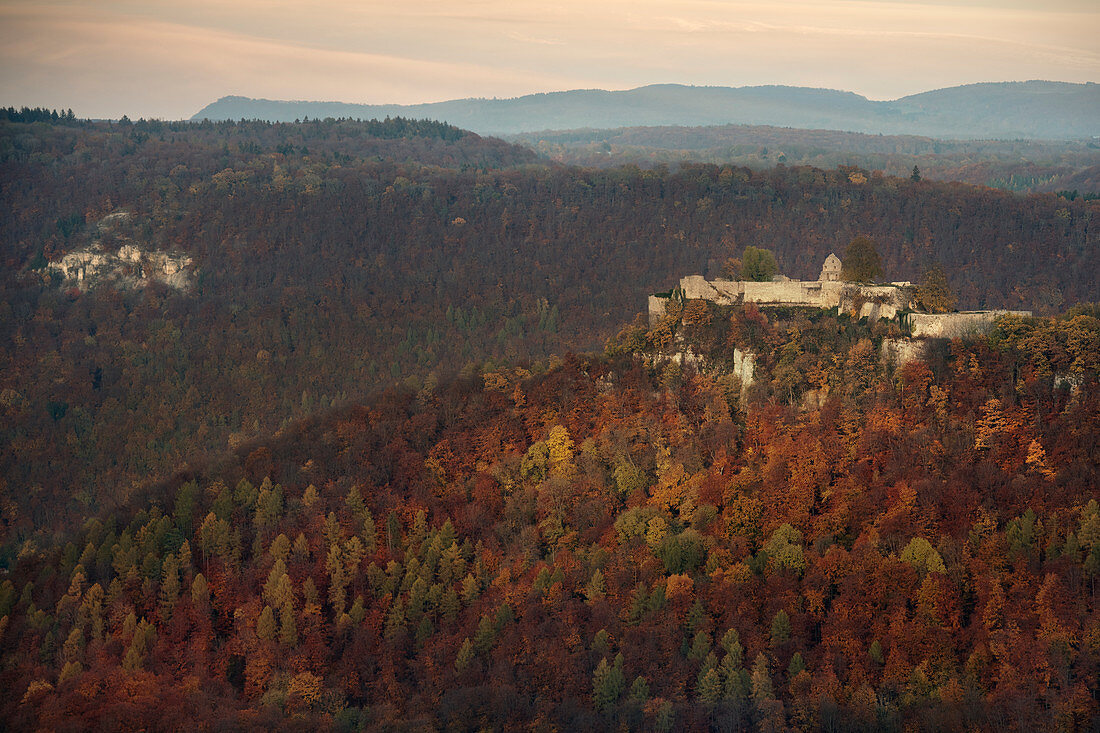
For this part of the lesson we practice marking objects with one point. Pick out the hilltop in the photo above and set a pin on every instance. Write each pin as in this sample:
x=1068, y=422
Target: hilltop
x=604, y=544
x=1006, y=110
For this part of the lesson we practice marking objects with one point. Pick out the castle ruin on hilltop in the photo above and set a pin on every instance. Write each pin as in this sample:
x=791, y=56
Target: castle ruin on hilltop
x=830, y=291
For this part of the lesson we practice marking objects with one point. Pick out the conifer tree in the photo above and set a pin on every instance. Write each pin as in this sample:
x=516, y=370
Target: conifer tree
x=639, y=690
x=710, y=689
x=200, y=593
x=781, y=628
x=761, y=681
x=607, y=683
x=465, y=655
x=596, y=588
x=280, y=548
x=265, y=624
x=797, y=665
x=288, y=630
x=470, y=589
x=170, y=588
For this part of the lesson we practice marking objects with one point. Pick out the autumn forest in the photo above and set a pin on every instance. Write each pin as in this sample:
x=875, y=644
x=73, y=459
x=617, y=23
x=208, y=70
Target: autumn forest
x=400, y=452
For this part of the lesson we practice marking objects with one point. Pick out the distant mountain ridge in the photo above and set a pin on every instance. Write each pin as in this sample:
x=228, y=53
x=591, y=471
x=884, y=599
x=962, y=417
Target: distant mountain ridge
x=1004, y=110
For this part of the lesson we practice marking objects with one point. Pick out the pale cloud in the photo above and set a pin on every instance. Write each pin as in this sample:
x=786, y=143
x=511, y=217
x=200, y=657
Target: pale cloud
x=169, y=58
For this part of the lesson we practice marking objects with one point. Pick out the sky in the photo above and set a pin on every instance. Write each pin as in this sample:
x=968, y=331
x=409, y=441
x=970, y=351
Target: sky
x=169, y=58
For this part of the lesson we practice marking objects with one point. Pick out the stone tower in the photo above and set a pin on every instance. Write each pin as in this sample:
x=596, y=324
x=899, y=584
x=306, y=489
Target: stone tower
x=830, y=271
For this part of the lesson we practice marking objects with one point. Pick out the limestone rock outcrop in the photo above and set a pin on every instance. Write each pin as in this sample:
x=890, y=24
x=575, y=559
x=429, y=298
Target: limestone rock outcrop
x=128, y=266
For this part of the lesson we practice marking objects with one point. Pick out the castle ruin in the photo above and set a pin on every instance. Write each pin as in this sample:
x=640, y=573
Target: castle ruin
x=830, y=291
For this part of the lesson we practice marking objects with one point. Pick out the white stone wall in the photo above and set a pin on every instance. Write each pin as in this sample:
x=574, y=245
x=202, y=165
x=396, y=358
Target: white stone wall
x=657, y=309
x=814, y=293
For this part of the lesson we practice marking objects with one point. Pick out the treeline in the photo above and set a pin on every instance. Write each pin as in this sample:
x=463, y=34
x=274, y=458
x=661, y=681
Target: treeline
x=37, y=114
x=329, y=262
x=1013, y=165
x=606, y=544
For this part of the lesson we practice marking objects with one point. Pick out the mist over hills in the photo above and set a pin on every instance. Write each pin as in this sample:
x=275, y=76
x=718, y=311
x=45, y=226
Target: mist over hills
x=1031, y=109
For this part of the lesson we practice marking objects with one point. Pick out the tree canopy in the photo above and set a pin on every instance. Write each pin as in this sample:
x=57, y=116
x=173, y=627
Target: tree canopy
x=758, y=265
x=933, y=294
x=862, y=263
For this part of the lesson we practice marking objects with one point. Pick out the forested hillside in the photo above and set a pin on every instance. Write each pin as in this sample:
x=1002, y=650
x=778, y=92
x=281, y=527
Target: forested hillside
x=334, y=257
x=610, y=545
x=1013, y=165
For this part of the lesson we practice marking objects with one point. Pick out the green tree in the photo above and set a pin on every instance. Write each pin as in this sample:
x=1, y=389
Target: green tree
x=596, y=588
x=784, y=548
x=265, y=624
x=639, y=690
x=758, y=265
x=797, y=665
x=921, y=555
x=933, y=294
x=465, y=655
x=170, y=588
x=700, y=646
x=288, y=629
x=607, y=683
x=200, y=592
x=601, y=642
x=135, y=655
x=486, y=635
x=731, y=642
x=269, y=505
x=781, y=628
x=710, y=687
x=761, y=680
x=861, y=261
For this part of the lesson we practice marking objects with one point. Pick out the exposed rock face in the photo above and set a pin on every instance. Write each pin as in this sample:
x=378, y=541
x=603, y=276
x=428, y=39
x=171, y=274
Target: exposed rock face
x=744, y=364
x=903, y=350
x=127, y=267
x=956, y=325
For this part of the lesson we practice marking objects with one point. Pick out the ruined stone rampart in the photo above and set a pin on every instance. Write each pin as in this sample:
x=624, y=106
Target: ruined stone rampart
x=871, y=301
x=865, y=301
x=658, y=306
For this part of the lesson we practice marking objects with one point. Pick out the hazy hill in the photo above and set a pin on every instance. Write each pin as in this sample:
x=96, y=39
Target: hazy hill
x=1032, y=109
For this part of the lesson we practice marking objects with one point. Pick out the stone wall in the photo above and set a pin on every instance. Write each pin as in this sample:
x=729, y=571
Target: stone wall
x=658, y=306
x=878, y=301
